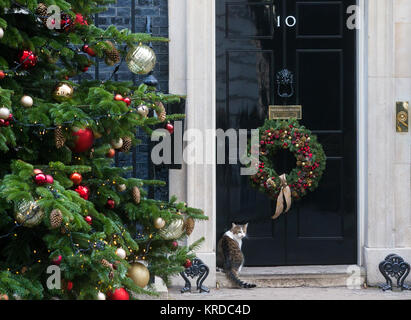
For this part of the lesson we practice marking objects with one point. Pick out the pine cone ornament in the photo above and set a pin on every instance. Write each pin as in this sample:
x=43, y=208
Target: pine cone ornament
x=127, y=144
x=189, y=225
x=42, y=12
x=161, y=111
x=112, y=55
x=136, y=195
x=56, y=218
x=59, y=137
x=107, y=264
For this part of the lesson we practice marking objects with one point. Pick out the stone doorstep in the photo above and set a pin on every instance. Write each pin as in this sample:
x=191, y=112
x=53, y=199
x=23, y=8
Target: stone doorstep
x=296, y=276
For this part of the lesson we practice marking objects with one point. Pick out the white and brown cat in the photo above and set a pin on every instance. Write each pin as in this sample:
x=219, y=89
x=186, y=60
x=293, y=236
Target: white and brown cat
x=230, y=258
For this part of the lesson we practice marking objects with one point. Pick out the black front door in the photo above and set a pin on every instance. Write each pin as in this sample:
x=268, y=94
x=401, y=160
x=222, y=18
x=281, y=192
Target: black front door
x=255, y=40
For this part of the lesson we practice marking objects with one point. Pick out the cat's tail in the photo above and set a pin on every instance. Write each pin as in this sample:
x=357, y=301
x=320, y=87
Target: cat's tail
x=233, y=277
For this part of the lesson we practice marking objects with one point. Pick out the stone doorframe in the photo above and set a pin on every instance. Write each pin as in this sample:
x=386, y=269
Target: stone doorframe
x=382, y=221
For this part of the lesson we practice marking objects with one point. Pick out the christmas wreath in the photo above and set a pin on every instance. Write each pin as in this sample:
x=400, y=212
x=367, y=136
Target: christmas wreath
x=310, y=162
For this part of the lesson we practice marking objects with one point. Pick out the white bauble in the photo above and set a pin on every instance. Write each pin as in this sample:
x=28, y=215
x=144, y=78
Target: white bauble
x=101, y=296
x=26, y=101
x=121, y=253
x=1, y=33
x=4, y=113
x=117, y=144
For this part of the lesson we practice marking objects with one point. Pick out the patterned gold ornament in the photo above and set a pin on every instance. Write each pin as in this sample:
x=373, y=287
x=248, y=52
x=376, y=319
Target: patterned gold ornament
x=173, y=231
x=189, y=225
x=63, y=92
x=159, y=223
x=121, y=187
x=136, y=195
x=141, y=59
x=29, y=213
x=127, y=144
x=139, y=273
x=56, y=218
x=161, y=111
x=112, y=55
x=59, y=138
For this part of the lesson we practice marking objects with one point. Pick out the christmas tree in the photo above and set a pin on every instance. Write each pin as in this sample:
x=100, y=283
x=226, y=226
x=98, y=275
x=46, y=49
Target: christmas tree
x=63, y=204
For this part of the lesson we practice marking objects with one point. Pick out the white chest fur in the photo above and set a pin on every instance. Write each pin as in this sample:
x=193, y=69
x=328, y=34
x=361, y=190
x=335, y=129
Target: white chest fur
x=236, y=239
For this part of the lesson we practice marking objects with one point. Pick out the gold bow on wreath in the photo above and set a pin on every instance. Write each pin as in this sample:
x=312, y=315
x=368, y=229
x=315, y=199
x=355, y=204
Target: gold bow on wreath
x=285, y=192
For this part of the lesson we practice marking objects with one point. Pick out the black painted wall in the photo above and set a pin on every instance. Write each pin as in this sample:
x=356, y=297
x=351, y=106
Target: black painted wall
x=132, y=14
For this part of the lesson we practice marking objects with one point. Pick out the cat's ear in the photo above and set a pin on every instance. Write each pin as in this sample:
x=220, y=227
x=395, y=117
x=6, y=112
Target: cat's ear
x=233, y=225
x=245, y=226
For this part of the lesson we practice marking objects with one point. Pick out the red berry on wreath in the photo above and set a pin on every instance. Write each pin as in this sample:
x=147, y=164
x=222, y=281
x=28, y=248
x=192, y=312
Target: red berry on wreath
x=111, y=153
x=69, y=286
x=2, y=75
x=89, y=220
x=85, y=69
x=188, y=263
x=80, y=20
x=110, y=204
x=174, y=244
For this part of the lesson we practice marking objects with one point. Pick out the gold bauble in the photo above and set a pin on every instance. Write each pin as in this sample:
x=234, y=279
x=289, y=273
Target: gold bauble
x=143, y=110
x=173, y=231
x=141, y=59
x=159, y=223
x=29, y=213
x=139, y=273
x=121, y=187
x=63, y=92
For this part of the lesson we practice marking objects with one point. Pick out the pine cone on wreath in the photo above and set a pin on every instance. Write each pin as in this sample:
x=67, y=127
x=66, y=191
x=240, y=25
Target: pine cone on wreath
x=112, y=55
x=161, y=111
x=136, y=195
x=127, y=144
x=189, y=225
x=56, y=218
x=59, y=138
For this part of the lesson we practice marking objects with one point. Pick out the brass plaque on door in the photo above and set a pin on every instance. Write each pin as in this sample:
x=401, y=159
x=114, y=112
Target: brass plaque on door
x=285, y=112
x=402, y=116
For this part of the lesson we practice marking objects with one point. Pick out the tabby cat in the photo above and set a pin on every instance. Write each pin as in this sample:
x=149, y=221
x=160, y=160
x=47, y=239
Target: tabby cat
x=229, y=255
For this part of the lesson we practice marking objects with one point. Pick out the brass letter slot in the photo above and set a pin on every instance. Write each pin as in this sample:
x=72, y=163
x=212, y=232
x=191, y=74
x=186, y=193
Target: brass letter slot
x=402, y=116
x=285, y=112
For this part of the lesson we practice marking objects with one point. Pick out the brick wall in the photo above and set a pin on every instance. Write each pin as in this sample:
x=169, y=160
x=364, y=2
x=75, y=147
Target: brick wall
x=132, y=14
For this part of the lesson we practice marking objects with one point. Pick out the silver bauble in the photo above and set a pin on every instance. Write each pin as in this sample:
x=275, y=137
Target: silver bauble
x=173, y=231
x=1, y=33
x=4, y=113
x=141, y=59
x=29, y=213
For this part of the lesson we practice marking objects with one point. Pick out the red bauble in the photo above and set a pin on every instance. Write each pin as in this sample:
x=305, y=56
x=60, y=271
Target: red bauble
x=119, y=294
x=2, y=75
x=89, y=220
x=80, y=20
x=170, y=128
x=58, y=260
x=83, y=191
x=86, y=48
x=111, y=153
x=27, y=59
x=85, y=69
x=127, y=101
x=188, y=263
x=49, y=179
x=76, y=178
x=118, y=97
x=110, y=204
x=84, y=141
x=69, y=286
x=40, y=179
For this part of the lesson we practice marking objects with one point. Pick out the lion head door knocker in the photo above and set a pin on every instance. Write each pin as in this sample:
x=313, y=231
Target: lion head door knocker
x=285, y=83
